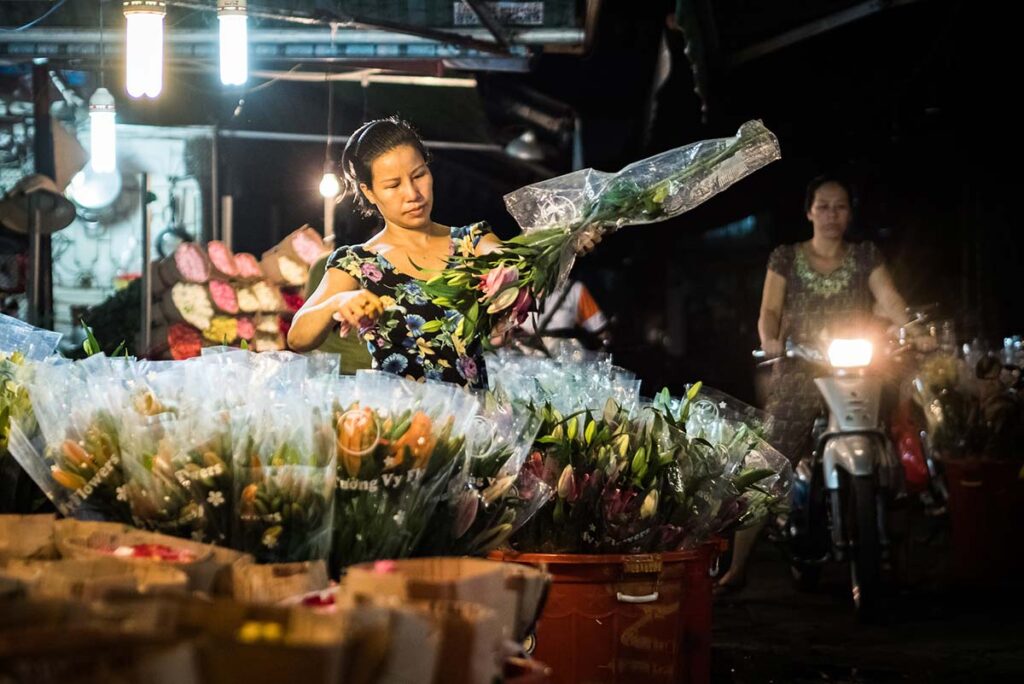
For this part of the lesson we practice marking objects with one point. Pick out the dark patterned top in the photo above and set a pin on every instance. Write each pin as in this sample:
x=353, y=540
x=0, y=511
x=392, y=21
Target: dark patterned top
x=415, y=338
x=816, y=302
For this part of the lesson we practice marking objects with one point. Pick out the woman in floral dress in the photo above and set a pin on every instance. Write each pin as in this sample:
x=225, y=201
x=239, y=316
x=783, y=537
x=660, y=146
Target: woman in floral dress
x=823, y=285
x=386, y=167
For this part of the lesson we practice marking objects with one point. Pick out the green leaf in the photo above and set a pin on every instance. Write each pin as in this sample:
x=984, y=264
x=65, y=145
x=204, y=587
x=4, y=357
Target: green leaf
x=91, y=346
x=747, y=478
x=432, y=326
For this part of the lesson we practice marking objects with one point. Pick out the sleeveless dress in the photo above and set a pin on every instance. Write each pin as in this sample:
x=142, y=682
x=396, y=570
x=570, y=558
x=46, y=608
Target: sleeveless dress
x=421, y=341
x=814, y=303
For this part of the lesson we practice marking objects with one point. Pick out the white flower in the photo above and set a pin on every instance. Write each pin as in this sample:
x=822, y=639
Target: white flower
x=722, y=405
x=215, y=499
x=389, y=462
x=122, y=493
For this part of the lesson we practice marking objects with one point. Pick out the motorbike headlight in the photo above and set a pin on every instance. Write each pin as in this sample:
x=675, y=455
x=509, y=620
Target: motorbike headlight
x=850, y=353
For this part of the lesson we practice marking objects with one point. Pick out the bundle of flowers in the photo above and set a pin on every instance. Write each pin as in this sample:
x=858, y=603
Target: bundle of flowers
x=399, y=443
x=494, y=292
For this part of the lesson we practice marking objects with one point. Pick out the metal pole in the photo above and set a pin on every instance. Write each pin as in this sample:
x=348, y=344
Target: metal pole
x=42, y=151
x=227, y=220
x=329, y=204
x=215, y=232
x=34, y=218
x=146, y=318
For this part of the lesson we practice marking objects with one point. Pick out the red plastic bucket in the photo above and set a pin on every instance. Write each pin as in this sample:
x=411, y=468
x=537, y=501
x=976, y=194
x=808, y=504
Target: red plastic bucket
x=986, y=514
x=631, y=618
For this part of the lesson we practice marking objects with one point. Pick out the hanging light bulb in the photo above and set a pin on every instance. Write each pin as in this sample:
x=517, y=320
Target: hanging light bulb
x=144, y=50
x=102, y=132
x=234, y=42
x=330, y=186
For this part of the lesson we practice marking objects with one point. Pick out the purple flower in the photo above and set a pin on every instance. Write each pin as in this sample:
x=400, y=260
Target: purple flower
x=465, y=513
x=466, y=368
x=521, y=308
x=371, y=272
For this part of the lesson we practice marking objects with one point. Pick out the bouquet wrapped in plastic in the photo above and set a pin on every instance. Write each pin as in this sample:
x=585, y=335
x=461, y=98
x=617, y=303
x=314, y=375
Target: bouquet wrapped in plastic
x=399, y=442
x=492, y=496
x=668, y=476
x=568, y=383
x=728, y=476
x=178, y=473
x=21, y=345
x=606, y=468
x=78, y=466
x=284, y=477
x=494, y=292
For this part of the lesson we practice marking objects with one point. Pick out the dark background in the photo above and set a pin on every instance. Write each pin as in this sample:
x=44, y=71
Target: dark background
x=913, y=102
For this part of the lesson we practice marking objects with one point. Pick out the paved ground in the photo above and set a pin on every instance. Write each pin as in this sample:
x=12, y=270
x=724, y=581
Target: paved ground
x=936, y=632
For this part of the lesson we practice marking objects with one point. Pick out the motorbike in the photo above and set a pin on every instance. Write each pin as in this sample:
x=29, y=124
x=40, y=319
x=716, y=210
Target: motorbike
x=847, y=493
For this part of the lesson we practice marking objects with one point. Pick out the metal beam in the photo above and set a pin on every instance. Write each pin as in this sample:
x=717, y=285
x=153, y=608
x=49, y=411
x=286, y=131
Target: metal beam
x=334, y=19
x=292, y=46
x=490, y=22
x=278, y=136
x=814, y=28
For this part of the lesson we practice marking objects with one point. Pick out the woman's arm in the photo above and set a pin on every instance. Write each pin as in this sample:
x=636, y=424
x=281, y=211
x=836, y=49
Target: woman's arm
x=338, y=293
x=890, y=302
x=769, y=323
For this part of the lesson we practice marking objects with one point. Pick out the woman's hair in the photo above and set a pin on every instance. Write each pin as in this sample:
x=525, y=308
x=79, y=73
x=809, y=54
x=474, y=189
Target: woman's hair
x=817, y=183
x=371, y=140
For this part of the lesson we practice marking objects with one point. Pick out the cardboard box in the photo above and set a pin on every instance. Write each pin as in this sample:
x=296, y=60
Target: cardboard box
x=514, y=592
x=27, y=537
x=272, y=583
x=210, y=573
x=93, y=579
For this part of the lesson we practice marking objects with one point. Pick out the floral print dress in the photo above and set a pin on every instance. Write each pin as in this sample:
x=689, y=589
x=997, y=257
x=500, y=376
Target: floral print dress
x=815, y=302
x=423, y=341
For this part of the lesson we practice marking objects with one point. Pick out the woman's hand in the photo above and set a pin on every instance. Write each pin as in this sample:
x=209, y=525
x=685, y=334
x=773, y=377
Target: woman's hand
x=356, y=308
x=587, y=242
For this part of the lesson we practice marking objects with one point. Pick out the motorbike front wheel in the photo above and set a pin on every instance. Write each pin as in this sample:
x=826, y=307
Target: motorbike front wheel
x=866, y=556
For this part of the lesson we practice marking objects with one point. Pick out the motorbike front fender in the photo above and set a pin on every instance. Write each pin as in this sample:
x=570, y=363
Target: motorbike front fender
x=858, y=455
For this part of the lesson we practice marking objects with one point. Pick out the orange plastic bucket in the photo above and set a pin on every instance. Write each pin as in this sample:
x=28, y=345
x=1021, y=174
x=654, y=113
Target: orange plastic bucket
x=986, y=513
x=629, y=618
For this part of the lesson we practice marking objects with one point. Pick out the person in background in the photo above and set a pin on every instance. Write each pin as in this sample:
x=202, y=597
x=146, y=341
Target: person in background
x=570, y=318
x=813, y=287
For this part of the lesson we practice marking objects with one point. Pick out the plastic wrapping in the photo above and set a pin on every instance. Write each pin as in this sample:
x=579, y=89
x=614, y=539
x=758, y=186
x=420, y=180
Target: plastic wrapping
x=78, y=462
x=650, y=190
x=492, y=496
x=20, y=345
x=670, y=475
x=284, y=473
x=32, y=343
x=398, y=444
x=178, y=474
x=569, y=383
